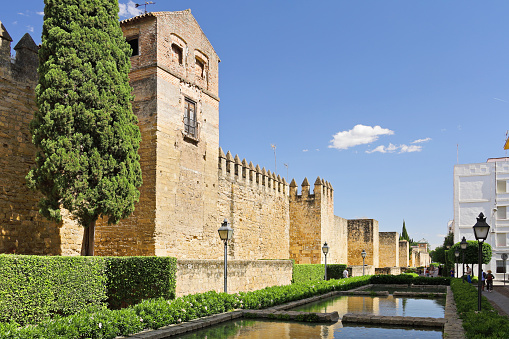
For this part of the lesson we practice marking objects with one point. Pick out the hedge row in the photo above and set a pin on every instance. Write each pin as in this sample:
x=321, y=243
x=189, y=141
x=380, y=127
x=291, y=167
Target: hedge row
x=313, y=272
x=34, y=288
x=408, y=279
x=156, y=313
x=484, y=324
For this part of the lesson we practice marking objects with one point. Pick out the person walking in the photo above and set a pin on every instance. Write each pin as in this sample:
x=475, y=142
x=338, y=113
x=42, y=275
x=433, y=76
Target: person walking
x=489, y=281
x=452, y=272
x=469, y=273
x=345, y=273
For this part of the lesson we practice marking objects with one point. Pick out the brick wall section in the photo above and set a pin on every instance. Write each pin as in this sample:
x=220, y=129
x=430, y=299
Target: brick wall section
x=363, y=234
x=256, y=205
x=404, y=253
x=339, y=243
x=22, y=228
x=196, y=276
x=389, y=249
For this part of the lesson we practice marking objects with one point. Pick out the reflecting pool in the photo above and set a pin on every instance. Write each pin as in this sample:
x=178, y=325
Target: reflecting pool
x=257, y=329
x=387, y=306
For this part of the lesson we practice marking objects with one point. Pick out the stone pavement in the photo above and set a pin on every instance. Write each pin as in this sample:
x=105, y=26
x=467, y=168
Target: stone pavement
x=499, y=298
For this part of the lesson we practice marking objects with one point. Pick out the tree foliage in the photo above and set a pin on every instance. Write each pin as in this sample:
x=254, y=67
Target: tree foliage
x=471, y=253
x=404, y=233
x=85, y=130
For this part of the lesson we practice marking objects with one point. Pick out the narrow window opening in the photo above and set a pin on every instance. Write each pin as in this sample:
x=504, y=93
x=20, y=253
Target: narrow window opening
x=200, y=68
x=190, y=120
x=134, y=46
x=501, y=212
x=177, y=53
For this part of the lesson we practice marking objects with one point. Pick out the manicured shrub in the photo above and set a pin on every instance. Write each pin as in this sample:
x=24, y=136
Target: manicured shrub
x=484, y=324
x=335, y=271
x=408, y=279
x=36, y=287
x=307, y=272
x=100, y=322
x=133, y=279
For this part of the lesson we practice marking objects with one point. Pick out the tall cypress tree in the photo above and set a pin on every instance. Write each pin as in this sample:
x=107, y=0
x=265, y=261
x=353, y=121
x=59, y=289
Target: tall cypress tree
x=404, y=233
x=85, y=130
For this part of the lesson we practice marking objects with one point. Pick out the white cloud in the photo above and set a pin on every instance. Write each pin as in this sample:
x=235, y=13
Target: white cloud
x=30, y=28
x=23, y=14
x=40, y=13
x=128, y=10
x=418, y=141
x=305, y=150
x=393, y=149
x=359, y=135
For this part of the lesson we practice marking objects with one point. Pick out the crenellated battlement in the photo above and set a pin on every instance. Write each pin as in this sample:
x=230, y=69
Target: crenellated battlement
x=232, y=168
x=22, y=67
x=322, y=189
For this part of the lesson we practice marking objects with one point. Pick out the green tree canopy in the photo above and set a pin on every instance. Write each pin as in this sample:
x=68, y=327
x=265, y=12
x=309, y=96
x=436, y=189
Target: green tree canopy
x=471, y=253
x=85, y=130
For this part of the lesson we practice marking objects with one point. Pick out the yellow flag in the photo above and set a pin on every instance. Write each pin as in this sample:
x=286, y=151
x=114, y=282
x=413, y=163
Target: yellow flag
x=506, y=146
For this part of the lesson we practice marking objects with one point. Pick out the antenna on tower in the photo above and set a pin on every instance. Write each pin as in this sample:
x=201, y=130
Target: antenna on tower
x=145, y=4
x=275, y=162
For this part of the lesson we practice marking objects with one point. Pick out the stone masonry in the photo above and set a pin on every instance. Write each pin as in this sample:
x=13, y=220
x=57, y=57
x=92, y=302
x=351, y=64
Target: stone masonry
x=363, y=234
x=404, y=252
x=389, y=249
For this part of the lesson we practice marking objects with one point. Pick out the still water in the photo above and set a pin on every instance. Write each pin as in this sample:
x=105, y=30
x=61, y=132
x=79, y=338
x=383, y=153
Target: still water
x=258, y=329
x=388, y=306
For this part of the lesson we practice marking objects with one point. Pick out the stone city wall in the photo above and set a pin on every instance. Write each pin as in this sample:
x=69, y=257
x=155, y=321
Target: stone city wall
x=255, y=202
x=389, y=249
x=197, y=276
x=312, y=222
x=363, y=234
x=356, y=271
x=22, y=229
x=404, y=253
x=388, y=270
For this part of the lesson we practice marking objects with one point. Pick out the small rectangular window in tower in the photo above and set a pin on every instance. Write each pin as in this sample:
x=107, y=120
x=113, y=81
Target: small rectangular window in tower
x=190, y=120
x=200, y=68
x=501, y=212
x=177, y=53
x=134, y=46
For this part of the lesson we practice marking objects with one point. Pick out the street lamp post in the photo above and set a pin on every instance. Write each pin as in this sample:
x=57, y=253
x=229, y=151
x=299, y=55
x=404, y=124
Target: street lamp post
x=363, y=255
x=481, y=229
x=463, y=245
x=456, y=254
x=325, y=250
x=225, y=233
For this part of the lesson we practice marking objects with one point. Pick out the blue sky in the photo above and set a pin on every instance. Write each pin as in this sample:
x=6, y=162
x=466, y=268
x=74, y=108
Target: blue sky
x=380, y=98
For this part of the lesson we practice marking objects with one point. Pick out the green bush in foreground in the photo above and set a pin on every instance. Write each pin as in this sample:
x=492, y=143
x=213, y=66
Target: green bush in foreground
x=152, y=314
x=485, y=324
x=408, y=279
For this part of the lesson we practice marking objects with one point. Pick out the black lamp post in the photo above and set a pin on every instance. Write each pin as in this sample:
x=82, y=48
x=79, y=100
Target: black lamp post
x=363, y=255
x=463, y=245
x=456, y=254
x=225, y=233
x=325, y=250
x=481, y=229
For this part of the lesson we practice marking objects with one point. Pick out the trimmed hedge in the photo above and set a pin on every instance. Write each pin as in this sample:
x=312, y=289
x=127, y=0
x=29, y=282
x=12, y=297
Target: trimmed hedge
x=408, y=279
x=156, y=313
x=335, y=271
x=307, y=272
x=133, y=279
x=33, y=288
x=484, y=324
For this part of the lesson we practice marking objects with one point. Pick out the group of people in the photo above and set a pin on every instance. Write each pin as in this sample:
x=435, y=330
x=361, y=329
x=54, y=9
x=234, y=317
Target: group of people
x=486, y=278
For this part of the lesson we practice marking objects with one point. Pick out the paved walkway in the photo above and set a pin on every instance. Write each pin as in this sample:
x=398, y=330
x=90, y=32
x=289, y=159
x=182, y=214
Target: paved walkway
x=499, y=298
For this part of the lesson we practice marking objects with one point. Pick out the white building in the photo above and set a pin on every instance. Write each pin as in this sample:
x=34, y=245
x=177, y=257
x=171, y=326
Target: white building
x=483, y=188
